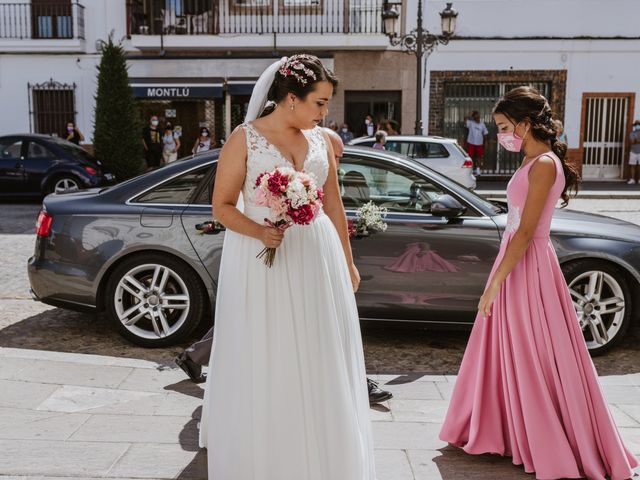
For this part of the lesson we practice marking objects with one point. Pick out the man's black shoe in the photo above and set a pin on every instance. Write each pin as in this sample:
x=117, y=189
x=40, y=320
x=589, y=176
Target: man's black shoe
x=376, y=394
x=192, y=369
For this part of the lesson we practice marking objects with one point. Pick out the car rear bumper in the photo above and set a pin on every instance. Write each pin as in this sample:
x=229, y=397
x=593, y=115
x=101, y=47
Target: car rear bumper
x=60, y=285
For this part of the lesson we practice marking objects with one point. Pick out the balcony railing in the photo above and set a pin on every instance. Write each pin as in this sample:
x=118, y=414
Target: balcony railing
x=215, y=17
x=61, y=20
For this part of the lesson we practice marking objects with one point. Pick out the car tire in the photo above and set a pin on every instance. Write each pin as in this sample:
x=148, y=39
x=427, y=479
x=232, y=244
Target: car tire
x=69, y=182
x=154, y=300
x=603, y=302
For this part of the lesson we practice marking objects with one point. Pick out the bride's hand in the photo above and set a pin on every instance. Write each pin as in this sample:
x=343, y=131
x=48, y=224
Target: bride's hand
x=355, y=277
x=271, y=237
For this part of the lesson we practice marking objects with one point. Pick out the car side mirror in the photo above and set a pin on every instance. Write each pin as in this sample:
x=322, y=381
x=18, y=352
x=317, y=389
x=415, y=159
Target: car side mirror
x=447, y=206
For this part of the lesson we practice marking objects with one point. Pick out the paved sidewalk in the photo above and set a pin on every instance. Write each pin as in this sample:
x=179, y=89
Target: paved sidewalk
x=588, y=190
x=69, y=415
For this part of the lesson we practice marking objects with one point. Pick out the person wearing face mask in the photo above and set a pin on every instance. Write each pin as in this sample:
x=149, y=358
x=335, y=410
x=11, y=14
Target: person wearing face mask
x=203, y=143
x=170, y=144
x=152, y=143
x=74, y=135
x=345, y=134
x=527, y=387
x=369, y=127
x=477, y=131
x=634, y=154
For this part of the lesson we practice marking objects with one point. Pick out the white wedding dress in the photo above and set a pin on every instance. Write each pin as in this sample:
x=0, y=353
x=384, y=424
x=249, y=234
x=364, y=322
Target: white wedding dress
x=286, y=395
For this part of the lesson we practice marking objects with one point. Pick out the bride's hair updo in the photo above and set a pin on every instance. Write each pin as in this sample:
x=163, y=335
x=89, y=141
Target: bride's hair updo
x=526, y=103
x=297, y=75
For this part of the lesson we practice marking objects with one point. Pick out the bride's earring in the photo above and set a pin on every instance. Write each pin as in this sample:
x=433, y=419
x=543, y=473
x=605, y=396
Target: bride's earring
x=292, y=106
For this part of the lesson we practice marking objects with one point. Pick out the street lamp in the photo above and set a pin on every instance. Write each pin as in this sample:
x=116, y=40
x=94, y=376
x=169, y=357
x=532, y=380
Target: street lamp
x=419, y=42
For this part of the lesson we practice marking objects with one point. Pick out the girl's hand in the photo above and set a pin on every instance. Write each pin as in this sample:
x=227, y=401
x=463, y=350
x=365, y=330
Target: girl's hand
x=271, y=237
x=487, y=299
x=355, y=277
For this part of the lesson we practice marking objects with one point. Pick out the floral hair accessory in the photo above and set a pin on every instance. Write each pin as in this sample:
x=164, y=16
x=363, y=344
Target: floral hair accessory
x=294, y=67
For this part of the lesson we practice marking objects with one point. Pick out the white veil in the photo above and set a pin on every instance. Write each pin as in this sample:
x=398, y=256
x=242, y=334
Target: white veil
x=261, y=90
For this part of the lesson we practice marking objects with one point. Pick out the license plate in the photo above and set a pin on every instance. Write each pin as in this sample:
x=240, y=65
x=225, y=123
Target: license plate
x=109, y=176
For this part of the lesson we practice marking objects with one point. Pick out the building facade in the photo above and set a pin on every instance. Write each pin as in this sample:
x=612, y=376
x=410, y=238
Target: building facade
x=194, y=63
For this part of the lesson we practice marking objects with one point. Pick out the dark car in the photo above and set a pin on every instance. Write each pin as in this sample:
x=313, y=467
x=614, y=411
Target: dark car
x=35, y=165
x=133, y=251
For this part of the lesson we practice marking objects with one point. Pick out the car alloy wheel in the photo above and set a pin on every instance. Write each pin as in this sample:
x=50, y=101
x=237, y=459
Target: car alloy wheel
x=152, y=301
x=66, y=184
x=602, y=303
x=155, y=299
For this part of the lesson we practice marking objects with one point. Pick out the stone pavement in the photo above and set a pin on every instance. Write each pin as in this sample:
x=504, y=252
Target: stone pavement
x=70, y=415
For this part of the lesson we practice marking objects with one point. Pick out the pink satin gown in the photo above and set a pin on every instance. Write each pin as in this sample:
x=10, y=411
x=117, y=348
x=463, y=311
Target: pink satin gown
x=527, y=387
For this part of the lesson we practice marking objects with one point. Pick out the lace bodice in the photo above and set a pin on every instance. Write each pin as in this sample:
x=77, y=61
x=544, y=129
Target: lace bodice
x=263, y=156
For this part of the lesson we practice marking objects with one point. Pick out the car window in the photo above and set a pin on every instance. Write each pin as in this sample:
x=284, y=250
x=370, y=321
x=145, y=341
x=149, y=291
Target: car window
x=10, y=148
x=398, y=147
x=179, y=190
x=75, y=151
x=38, y=152
x=387, y=185
x=429, y=150
x=365, y=144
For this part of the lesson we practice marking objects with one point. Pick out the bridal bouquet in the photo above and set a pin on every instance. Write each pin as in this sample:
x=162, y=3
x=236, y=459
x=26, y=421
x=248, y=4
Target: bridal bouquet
x=292, y=197
x=369, y=218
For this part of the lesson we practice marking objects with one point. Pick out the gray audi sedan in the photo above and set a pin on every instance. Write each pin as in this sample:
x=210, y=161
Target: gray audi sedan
x=133, y=251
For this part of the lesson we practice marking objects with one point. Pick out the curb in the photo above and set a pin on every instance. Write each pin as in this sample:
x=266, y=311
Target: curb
x=82, y=358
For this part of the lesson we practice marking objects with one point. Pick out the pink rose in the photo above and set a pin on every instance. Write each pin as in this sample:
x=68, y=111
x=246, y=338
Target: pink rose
x=302, y=215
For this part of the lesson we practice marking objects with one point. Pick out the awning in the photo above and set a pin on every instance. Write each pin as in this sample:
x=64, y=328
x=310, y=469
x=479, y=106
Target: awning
x=174, y=89
x=240, y=87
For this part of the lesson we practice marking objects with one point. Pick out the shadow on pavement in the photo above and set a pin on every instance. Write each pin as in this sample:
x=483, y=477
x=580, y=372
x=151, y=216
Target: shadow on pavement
x=454, y=464
x=188, y=437
x=23, y=217
x=406, y=352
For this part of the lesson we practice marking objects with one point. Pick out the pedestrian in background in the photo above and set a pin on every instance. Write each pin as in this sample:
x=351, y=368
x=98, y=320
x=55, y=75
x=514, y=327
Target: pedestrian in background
x=170, y=145
x=345, y=134
x=475, y=139
x=562, y=136
x=152, y=142
x=634, y=154
x=333, y=125
x=391, y=127
x=368, y=128
x=381, y=139
x=74, y=135
x=204, y=142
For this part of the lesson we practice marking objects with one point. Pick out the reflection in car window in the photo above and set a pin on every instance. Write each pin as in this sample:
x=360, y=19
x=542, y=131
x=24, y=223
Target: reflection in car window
x=10, y=149
x=206, y=189
x=37, y=151
x=179, y=190
x=386, y=185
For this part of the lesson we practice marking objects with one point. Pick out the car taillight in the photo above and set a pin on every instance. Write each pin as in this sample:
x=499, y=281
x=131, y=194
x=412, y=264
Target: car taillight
x=468, y=163
x=43, y=225
x=91, y=170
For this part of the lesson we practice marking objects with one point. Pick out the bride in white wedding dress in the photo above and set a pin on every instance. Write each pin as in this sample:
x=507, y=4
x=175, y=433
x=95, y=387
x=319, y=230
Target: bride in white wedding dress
x=286, y=395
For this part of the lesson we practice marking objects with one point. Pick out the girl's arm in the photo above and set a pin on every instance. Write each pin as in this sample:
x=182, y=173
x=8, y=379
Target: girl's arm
x=230, y=176
x=334, y=209
x=542, y=176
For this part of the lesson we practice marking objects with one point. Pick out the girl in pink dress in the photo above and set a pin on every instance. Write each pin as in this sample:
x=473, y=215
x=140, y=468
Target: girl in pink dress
x=527, y=387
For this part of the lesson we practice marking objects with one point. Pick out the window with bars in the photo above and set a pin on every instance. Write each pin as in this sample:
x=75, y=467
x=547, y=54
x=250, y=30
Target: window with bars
x=52, y=106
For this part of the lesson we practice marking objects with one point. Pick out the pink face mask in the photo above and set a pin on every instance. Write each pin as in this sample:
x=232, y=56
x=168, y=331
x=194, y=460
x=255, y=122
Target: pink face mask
x=511, y=141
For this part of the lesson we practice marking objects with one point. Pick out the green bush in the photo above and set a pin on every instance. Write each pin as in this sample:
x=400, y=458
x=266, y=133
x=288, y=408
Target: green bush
x=117, y=134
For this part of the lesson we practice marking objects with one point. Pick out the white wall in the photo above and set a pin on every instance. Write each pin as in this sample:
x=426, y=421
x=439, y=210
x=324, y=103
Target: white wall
x=16, y=71
x=515, y=18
